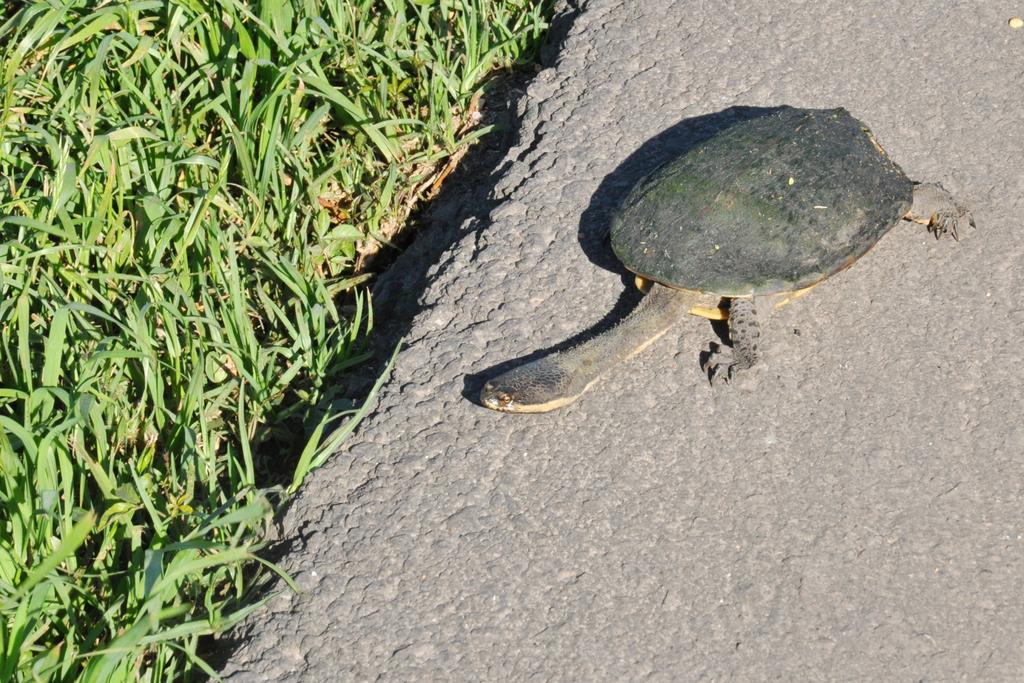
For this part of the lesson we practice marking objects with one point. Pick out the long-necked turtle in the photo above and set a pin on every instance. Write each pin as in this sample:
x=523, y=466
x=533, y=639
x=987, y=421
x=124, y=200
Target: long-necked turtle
x=736, y=226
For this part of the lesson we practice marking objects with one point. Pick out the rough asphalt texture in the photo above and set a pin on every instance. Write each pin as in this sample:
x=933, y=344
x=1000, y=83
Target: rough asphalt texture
x=850, y=510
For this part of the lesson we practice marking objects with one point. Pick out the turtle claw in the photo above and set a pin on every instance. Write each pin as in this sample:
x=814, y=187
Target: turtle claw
x=950, y=220
x=723, y=365
x=721, y=368
x=939, y=211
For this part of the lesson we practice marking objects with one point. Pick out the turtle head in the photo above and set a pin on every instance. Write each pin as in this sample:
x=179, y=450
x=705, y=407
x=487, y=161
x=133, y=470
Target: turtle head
x=498, y=397
x=536, y=387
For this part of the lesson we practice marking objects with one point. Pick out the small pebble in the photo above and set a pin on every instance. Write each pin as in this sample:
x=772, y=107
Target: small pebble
x=1016, y=22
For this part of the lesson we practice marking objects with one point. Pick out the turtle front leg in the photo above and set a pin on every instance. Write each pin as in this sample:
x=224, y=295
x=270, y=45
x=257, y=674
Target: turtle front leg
x=744, y=333
x=936, y=208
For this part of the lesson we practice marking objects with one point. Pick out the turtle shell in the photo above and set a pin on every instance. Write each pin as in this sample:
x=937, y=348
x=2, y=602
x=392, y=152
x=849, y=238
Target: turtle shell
x=767, y=205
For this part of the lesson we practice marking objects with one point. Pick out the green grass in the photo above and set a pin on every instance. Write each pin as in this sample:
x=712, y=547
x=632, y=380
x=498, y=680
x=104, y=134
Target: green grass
x=184, y=189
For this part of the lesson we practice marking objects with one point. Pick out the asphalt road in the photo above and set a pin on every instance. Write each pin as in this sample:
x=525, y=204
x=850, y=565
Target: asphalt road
x=852, y=509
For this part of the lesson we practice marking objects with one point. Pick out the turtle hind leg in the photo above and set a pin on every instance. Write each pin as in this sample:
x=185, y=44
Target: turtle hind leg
x=936, y=208
x=745, y=334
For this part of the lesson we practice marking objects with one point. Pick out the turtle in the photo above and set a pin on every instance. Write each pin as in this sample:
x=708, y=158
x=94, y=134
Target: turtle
x=733, y=228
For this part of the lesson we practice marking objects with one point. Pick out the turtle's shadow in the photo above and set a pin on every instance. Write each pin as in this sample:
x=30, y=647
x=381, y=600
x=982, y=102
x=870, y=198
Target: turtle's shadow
x=596, y=221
